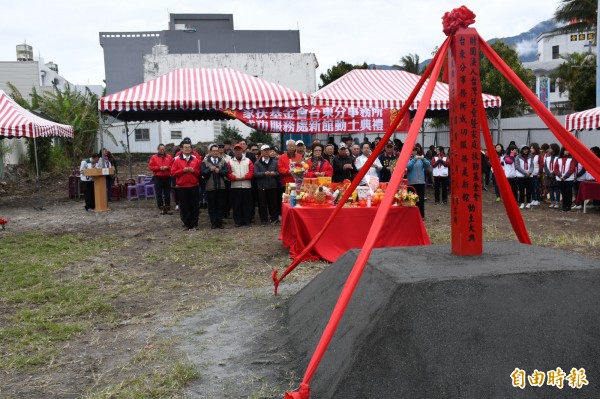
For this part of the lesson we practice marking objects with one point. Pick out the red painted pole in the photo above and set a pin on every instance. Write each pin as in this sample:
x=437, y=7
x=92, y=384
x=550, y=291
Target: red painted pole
x=465, y=155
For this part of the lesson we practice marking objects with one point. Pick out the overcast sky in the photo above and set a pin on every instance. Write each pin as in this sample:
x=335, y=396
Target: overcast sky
x=377, y=31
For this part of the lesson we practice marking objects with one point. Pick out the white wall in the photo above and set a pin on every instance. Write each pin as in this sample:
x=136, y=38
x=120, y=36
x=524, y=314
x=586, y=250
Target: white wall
x=293, y=70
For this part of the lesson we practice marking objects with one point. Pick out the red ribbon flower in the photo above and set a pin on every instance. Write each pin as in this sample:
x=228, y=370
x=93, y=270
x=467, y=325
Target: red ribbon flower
x=3, y=222
x=458, y=18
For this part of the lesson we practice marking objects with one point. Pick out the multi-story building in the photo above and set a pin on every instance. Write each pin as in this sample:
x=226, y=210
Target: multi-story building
x=551, y=46
x=27, y=74
x=198, y=41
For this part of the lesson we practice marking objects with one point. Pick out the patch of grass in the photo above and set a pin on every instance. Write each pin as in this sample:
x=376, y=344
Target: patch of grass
x=46, y=303
x=153, y=372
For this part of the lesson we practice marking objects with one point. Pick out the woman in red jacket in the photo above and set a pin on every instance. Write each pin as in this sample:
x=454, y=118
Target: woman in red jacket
x=186, y=171
x=317, y=165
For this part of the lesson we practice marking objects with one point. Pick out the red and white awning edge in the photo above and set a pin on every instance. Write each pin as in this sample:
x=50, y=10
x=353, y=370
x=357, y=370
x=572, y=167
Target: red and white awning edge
x=225, y=88
x=583, y=120
x=203, y=89
x=16, y=121
x=385, y=89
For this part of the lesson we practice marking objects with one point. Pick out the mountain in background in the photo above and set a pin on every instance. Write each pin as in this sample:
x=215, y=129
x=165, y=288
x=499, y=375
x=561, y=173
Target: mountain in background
x=525, y=43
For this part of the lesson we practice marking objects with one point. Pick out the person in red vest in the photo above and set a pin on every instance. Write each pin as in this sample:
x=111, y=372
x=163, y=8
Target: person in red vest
x=283, y=163
x=186, y=171
x=160, y=165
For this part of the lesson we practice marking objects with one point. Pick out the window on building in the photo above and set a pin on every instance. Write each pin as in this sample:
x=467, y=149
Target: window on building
x=590, y=36
x=552, y=85
x=555, y=54
x=176, y=135
x=142, y=134
x=582, y=36
x=573, y=38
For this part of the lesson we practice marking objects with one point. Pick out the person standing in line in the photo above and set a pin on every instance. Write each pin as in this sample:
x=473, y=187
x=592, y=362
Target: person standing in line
x=317, y=165
x=87, y=182
x=440, y=164
x=214, y=168
x=186, y=171
x=241, y=171
x=361, y=160
x=565, y=168
x=550, y=178
x=266, y=174
x=111, y=162
x=508, y=164
x=343, y=165
x=525, y=168
x=417, y=167
x=284, y=162
x=388, y=161
x=160, y=165
x=223, y=153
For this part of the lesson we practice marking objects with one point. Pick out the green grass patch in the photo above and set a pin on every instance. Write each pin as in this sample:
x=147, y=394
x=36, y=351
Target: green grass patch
x=153, y=372
x=44, y=301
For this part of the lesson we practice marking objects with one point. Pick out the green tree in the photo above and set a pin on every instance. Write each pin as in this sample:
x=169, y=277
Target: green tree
x=229, y=132
x=69, y=107
x=578, y=15
x=577, y=76
x=256, y=136
x=337, y=71
x=493, y=82
x=409, y=63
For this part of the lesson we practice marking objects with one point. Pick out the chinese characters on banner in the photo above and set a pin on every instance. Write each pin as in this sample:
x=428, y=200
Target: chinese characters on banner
x=465, y=143
x=317, y=119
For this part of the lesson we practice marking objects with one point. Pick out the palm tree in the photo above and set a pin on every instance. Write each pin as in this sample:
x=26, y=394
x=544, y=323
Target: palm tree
x=578, y=15
x=577, y=76
x=409, y=63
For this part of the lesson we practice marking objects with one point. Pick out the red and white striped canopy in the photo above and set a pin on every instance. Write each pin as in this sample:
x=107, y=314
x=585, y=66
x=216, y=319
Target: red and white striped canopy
x=584, y=120
x=16, y=121
x=203, y=89
x=385, y=89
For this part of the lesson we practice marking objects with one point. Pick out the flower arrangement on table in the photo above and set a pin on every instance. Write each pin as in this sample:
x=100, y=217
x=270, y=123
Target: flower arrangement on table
x=407, y=198
x=298, y=169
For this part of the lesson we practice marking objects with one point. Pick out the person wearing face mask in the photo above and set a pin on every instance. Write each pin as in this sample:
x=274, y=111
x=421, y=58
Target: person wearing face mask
x=160, y=165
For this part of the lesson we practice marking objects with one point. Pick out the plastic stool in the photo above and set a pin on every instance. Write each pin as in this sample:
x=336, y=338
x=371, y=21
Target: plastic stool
x=149, y=191
x=132, y=192
x=141, y=192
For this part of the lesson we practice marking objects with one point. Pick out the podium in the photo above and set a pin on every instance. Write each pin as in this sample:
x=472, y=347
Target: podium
x=99, y=175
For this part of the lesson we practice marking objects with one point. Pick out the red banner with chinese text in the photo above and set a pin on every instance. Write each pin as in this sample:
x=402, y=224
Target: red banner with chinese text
x=318, y=119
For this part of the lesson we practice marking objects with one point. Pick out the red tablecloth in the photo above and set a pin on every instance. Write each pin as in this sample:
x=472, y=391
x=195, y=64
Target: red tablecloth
x=588, y=190
x=349, y=230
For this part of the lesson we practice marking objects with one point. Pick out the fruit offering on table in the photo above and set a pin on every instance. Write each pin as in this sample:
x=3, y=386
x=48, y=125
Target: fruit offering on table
x=377, y=197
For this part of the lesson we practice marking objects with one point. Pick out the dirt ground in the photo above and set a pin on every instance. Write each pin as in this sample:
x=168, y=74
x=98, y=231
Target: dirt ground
x=216, y=310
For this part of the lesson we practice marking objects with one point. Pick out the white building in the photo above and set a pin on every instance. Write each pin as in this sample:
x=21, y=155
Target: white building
x=293, y=70
x=551, y=46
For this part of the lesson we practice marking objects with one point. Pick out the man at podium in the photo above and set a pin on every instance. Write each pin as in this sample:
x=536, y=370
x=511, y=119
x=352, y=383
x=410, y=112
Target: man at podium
x=87, y=182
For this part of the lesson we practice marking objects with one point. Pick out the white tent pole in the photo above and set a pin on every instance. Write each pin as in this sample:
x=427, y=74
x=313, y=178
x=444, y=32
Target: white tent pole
x=37, y=168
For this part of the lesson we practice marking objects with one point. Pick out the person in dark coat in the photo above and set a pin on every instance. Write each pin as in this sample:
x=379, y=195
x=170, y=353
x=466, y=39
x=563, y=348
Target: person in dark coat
x=214, y=169
x=267, y=181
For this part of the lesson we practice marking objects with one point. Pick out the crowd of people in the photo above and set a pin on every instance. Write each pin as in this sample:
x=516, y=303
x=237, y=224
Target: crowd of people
x=233, y=180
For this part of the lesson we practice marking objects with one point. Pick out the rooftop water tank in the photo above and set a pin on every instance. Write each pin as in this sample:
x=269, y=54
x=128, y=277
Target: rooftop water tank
x=24, y=52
